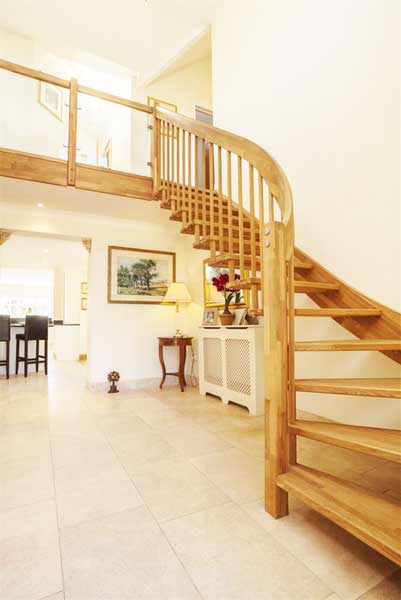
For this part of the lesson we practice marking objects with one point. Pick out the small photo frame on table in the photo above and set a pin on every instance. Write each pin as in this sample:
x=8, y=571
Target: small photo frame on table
x=210, y=317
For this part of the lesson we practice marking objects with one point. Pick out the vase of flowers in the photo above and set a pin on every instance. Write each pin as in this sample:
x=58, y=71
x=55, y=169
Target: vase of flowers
x=230, y=295
x=113, y=377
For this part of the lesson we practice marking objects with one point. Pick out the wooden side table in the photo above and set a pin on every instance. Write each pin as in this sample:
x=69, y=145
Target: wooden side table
x=181, y=343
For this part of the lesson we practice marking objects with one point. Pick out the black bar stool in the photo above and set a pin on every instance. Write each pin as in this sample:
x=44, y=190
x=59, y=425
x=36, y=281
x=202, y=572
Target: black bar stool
x=5, y=337
x=36, y=328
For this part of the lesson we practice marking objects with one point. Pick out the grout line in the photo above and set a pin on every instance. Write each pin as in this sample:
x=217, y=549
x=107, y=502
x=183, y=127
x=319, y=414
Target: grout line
x=57, y=512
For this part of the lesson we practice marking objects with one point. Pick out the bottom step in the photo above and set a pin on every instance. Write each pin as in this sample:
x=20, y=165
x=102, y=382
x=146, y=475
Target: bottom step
x=370, y=517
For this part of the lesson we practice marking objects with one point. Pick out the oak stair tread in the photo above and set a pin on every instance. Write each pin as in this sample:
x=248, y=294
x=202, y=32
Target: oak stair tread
x=371, y=517
x=337, y=312
x=222, y=260
x=366, y=344
x=382, y=443
x=375, y=387
x=300, y=287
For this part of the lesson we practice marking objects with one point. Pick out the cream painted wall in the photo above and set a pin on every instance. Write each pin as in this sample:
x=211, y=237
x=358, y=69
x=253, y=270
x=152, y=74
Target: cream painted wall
x=122, y=337
x=318, y=85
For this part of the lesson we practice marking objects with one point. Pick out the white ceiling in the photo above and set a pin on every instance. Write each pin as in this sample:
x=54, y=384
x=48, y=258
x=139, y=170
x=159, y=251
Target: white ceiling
x=35, y=251
x=139, y=34
x=28, y=194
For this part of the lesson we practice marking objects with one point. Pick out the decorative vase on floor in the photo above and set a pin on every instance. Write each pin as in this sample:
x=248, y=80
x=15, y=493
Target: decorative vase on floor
x=226, y=318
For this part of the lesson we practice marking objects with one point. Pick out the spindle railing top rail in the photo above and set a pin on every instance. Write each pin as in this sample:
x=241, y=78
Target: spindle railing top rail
x=254, y=154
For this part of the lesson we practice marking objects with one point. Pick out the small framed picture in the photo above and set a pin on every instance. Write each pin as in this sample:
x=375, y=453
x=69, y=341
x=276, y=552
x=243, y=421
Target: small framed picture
x=210, y=316
x=84, y=288
x=84, y=303
x=51, y=97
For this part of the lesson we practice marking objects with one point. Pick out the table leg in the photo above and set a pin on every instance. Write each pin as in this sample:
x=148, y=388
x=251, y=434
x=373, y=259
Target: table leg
x=163, y=366
x=181, y=369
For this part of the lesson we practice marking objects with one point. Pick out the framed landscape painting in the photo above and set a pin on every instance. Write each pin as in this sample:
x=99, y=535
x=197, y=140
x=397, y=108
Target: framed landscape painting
x=138, y=276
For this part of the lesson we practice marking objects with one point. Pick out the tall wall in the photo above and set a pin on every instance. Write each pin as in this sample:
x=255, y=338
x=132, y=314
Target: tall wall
x=317, y=83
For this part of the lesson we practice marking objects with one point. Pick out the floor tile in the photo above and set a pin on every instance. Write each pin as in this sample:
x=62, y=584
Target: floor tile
x=124, y=556
x=230, y=557
x=191, y=440
x=173, y=488
x=96, y=497
x=239, y=476
x=29, y=553
x=348, y=566
x=24, y=481
x=135, y=450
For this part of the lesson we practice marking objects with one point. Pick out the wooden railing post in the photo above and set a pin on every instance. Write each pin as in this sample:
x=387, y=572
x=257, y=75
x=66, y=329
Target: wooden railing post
x=155, y=154
x=276, y=366
x=72, y=133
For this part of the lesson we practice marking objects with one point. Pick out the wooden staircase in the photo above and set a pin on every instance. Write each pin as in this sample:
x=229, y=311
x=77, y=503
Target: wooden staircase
x=234, y=198
x=226, y=220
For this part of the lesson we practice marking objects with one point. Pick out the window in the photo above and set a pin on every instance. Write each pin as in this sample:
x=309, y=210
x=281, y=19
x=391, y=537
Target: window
x=25, y=291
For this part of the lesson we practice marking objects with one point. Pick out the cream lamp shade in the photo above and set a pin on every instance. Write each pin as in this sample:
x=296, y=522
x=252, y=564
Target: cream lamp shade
x=178, y=293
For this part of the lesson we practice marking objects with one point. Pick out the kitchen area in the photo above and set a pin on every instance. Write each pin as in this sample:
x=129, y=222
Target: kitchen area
x=44, y=276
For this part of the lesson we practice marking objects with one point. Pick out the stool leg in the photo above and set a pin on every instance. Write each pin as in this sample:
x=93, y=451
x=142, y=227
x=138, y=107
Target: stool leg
x=16, y=358
x=45, y=357
x=37, y=356
x=8, y=360
x=26, y=358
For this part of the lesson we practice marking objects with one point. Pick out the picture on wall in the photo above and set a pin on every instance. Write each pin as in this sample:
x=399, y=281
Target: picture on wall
x=138, y=276
x=211, y=297
x=51, y=97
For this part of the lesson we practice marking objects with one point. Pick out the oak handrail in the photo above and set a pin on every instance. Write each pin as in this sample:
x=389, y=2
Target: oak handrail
x=251, y=152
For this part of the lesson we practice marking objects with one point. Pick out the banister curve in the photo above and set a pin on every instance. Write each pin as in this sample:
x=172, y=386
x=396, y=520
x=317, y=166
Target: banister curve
x=257, y=156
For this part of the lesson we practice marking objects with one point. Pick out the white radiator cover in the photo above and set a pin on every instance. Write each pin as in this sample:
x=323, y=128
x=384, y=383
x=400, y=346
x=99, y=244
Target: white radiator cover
x=231, y=365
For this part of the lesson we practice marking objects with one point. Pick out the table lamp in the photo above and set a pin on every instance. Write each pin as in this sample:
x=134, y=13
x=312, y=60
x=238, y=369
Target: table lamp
x=178, y=293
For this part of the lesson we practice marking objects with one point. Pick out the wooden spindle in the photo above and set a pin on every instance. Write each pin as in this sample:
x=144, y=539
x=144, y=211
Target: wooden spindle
x=204, y=199
x=231, y=264
x=211, y=201
x=196, y=228
x=183, y=171
x=162, y=127
x=178, y=171
x=254, y=291
x=220, y=193
x=240, y=221
x=172, y=187
x=261, y=230
x=189, y=177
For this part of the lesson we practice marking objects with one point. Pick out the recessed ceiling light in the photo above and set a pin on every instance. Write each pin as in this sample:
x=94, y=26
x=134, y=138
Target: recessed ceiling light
x=46, y=251
x=40, y=205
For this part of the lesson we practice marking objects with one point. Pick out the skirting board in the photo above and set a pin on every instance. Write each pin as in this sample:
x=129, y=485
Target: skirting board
x=137, y=384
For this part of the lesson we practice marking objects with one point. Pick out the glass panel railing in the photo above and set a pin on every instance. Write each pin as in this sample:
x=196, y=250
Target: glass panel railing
x=33, y=116
x=112, y=136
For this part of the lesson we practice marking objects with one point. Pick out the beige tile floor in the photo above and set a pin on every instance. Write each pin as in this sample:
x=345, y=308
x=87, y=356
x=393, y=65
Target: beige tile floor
x=158, y=495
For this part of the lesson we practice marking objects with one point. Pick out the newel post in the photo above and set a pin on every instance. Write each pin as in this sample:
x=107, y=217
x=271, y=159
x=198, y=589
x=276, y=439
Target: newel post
x=276, y=367
x=72, y=133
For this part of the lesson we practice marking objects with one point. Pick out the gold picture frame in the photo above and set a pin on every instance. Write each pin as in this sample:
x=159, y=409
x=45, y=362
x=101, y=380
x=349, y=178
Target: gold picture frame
x=84, y=303
x=213, y=298
x=138, y=275
x=51, y=98
x=84, y=288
